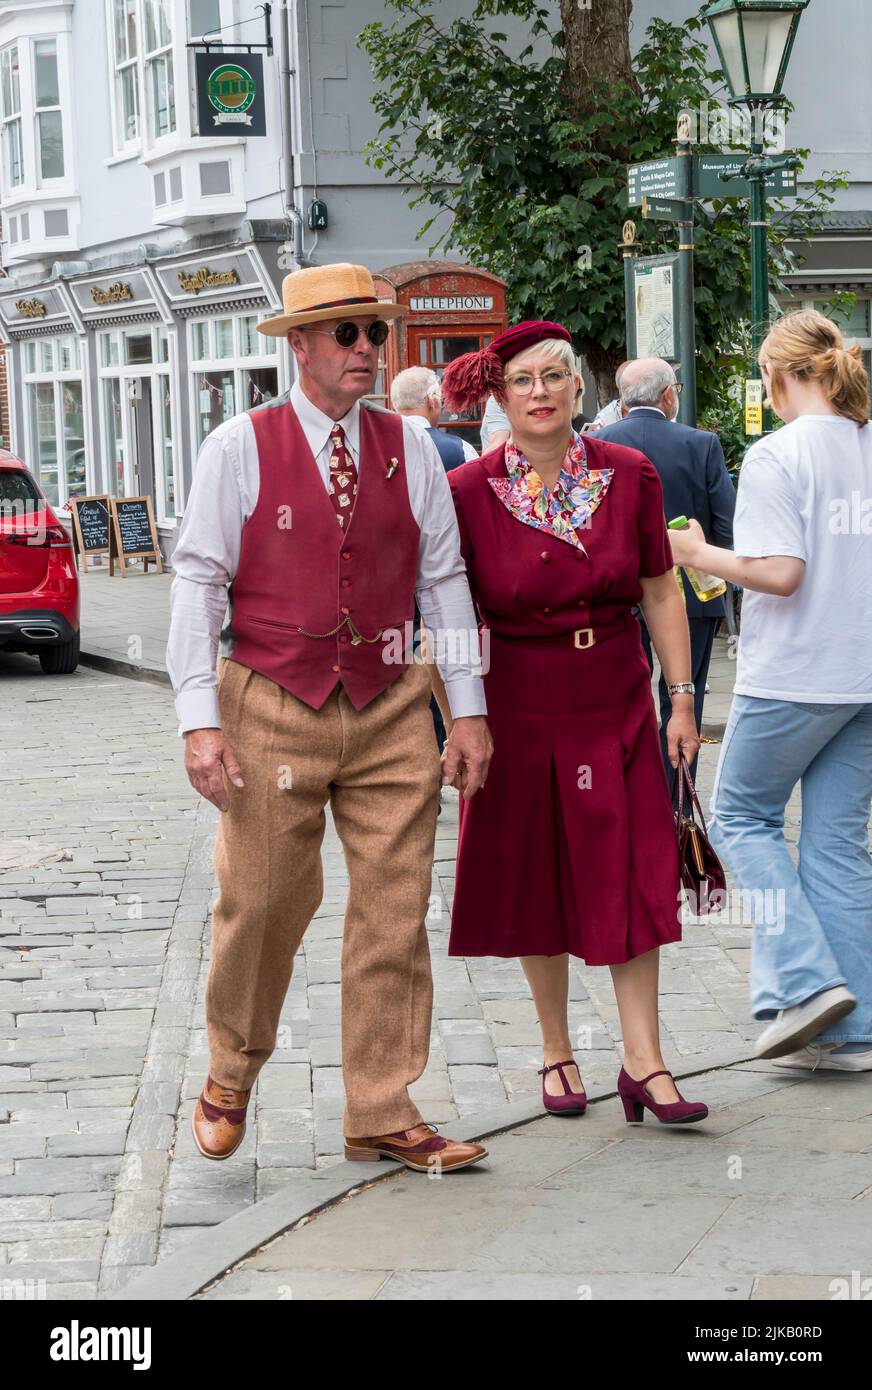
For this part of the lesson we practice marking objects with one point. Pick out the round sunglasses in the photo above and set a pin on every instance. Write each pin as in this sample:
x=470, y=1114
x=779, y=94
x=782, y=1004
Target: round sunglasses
x=347, y=333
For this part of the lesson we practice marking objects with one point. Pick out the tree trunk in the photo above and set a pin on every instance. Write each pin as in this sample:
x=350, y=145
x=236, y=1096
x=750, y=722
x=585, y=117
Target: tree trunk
x=597, y=45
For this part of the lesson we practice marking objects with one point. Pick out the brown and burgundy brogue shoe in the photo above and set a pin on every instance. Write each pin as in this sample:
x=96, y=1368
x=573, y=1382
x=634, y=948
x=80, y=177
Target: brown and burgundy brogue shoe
x=420, y=1148
x=218, y=1121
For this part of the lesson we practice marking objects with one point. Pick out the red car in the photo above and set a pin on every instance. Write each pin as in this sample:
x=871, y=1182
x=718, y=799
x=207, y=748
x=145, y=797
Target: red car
x=39, y=583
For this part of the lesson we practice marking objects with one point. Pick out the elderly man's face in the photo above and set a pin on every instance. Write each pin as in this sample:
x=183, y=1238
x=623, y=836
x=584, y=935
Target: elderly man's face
x=333, y=369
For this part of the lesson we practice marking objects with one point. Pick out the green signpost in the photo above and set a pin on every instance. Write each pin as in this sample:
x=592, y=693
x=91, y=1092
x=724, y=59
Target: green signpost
x=667, y=190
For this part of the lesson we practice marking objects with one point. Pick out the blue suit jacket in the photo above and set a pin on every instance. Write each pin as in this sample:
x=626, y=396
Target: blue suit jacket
x=694, y=477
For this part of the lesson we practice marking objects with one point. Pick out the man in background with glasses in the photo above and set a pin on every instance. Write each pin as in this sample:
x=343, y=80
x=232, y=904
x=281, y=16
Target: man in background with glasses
x=325, y=517
x=696, y=483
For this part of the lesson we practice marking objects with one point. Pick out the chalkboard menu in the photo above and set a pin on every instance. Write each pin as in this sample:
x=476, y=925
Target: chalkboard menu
x=135, y=533
x=92, y=527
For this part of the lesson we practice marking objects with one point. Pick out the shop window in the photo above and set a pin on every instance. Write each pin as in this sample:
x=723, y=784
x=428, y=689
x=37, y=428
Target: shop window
x=49, y=120
x=223, y=338
x=73, y=438
x=43, y=439
x=201, y=348
x=137, y=348
x=216, y=401
x=114, y=435
x=262, y=385
x=163, y=345
x=164, y=453
x=46, y=355
x=109, y=350
x=68, y=354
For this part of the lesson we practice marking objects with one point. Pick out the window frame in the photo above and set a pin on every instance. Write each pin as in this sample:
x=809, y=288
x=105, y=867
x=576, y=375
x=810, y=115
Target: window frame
x=47, y=180
x=12, y=120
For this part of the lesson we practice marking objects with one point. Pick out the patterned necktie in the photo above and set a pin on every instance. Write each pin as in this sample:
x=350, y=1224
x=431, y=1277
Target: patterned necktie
x=342, y=487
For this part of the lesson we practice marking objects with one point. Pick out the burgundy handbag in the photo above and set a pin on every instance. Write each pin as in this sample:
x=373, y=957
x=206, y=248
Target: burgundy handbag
x=702, y=875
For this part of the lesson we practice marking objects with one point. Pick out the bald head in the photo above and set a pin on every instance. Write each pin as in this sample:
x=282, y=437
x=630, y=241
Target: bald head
x=646, y=381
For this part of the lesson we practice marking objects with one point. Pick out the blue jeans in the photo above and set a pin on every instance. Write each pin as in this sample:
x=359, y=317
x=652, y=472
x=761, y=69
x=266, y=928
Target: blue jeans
x=812, y=922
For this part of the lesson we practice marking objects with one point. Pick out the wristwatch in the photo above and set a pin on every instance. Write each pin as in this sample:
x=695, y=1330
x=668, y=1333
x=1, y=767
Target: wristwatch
x=682, y=688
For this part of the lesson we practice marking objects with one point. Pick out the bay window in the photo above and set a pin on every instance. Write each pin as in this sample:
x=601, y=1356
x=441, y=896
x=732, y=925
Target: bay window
x=10, y=114
x=49, y=118
x=160, y=87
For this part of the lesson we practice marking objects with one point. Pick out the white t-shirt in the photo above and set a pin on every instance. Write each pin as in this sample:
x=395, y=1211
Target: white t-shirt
x=806, y=490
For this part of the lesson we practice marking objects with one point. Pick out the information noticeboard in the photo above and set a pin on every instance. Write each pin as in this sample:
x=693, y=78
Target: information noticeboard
x=654, y=328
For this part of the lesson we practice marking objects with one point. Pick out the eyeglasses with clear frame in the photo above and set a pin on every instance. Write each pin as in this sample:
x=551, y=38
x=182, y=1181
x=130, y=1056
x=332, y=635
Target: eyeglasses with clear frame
x=347, y=333
x=553, y=381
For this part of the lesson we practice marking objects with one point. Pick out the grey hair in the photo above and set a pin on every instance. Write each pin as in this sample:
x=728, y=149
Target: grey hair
x=647, y=387
x=411, y=388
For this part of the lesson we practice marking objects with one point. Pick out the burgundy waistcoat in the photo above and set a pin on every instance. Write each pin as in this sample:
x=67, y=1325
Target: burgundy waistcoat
x=300, y=573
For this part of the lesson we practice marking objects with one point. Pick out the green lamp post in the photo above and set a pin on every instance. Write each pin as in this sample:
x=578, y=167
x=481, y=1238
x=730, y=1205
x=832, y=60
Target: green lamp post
x=754, y=40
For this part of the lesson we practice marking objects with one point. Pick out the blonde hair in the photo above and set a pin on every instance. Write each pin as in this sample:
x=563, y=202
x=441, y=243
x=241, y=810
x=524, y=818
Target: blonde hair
x=558, y=350
x=808, y=345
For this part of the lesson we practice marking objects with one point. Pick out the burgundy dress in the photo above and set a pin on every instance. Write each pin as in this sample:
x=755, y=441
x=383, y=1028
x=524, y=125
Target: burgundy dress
x=570, y=847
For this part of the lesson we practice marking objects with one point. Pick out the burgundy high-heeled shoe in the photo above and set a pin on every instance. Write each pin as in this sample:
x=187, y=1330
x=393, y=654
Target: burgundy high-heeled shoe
x=636, y=1098
x=571, y=1102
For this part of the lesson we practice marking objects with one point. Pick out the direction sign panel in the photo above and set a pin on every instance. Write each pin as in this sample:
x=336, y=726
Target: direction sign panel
x=667, y=209
x=657, y=178
x=709, y=184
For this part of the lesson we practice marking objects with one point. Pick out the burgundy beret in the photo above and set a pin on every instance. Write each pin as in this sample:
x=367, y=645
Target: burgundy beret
x=468, y=379
x=526, y=335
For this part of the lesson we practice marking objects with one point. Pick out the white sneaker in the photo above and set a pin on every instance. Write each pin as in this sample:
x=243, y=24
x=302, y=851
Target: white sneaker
x=819, y=1057
x=795, y=1027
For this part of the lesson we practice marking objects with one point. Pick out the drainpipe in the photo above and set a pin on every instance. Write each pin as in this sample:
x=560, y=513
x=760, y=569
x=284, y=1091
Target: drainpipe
x=286, y=72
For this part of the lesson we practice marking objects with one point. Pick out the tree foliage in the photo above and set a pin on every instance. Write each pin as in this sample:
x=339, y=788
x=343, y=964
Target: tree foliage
x=522, y=156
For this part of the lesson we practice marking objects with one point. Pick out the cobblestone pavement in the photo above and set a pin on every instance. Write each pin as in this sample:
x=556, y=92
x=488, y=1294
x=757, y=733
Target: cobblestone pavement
x=103, y=962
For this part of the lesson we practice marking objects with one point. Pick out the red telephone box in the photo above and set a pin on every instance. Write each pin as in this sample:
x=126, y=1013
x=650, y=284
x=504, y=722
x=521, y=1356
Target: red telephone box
x=451, y=309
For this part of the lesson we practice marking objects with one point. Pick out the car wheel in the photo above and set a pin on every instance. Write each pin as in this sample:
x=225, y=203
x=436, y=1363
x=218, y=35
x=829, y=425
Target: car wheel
x=61, y=660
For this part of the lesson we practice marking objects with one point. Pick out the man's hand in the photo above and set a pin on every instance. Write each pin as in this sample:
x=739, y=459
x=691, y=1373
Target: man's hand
x=207, y=756
x=467, y=754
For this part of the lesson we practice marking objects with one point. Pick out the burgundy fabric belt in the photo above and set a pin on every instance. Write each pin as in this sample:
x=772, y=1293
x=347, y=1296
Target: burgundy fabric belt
x=581, y=637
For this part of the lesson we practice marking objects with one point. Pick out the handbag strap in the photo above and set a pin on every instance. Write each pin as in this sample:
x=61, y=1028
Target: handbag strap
x=693, y=799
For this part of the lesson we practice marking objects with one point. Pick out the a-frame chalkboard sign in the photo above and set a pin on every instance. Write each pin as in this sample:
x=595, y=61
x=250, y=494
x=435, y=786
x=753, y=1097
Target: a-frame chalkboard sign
x=92, y=529
x=134, y=533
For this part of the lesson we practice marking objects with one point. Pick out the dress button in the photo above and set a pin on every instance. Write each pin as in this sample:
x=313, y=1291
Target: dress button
x=580, y=602
x=547, y=610
x=343, y=638
x=346, y=554
x=345, y=583
x=335, y=668
x=546, y=557
x=346, y=610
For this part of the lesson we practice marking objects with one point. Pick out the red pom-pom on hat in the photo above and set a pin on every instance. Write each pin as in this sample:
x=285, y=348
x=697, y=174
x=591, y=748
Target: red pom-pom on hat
x=468, y=379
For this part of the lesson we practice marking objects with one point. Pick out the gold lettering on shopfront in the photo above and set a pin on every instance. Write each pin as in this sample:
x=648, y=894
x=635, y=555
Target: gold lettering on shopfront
x=115, y=294
x=206, y=279
x=31, y=308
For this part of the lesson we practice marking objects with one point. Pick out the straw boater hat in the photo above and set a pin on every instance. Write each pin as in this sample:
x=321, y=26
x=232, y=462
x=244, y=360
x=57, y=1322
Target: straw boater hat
x=328, y=292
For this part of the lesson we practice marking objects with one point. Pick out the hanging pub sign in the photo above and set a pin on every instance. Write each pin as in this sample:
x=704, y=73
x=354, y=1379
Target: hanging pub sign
x=230, y=95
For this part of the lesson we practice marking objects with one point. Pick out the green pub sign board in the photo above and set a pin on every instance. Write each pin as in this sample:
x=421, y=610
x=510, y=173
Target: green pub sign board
x=230, y=95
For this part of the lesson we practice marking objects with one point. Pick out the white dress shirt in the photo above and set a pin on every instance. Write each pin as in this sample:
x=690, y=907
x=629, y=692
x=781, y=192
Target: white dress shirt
x=223, y=496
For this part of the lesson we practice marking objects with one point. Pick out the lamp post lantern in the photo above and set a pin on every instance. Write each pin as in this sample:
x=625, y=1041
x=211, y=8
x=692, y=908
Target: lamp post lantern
x=754, y=40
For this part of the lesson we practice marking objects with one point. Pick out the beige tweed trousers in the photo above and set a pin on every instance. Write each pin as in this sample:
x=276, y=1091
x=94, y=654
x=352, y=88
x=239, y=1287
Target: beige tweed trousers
x=379, y=769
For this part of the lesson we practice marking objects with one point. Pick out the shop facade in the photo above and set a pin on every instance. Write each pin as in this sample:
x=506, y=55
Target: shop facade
x=117, y=376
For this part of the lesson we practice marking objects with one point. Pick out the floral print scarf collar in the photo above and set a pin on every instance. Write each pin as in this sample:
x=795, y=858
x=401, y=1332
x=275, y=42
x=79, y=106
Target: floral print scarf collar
x=561, y=511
